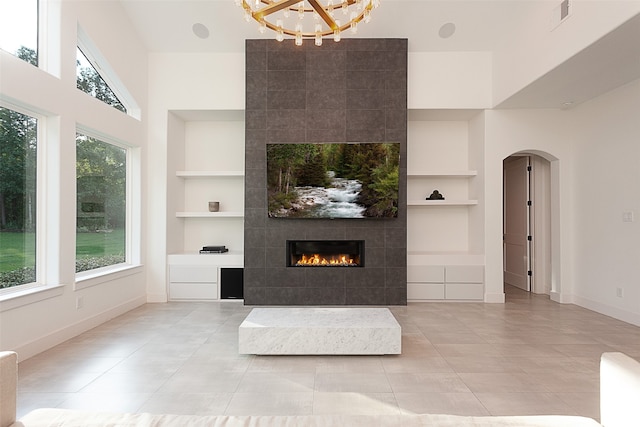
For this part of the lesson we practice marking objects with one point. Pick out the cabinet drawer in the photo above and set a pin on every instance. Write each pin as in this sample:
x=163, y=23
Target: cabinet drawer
x=193, y=273
x=465, y=274
x=425, y=291
x=425, y=273
x=194, y=291
x=464, y=291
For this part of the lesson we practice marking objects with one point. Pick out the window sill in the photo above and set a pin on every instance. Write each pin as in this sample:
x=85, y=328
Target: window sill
x=19, y=298
x=87, y=279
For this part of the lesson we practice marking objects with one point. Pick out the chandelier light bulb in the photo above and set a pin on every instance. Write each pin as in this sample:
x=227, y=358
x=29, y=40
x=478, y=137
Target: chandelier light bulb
x=319, y=15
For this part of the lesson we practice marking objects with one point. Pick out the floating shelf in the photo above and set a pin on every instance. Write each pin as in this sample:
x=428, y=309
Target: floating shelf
x=209, y=214
x=442, y=202
x=443, y=174
x=208, y=174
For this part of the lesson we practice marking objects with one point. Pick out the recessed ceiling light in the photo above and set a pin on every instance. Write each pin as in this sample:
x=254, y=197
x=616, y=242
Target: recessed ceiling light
x=200, y=30
x=447, y=30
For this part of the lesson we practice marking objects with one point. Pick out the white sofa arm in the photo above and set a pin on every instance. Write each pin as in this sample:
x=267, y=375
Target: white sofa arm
x=619, y=390
x=8, y=386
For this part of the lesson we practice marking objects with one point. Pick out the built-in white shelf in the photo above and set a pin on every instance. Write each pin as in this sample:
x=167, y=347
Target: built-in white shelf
x=208, y=174
x=441, y=202
x=209, y=214
x=443, y=174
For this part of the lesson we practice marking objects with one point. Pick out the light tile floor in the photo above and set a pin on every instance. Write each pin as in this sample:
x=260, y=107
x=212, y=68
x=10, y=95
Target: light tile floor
x=527, y=356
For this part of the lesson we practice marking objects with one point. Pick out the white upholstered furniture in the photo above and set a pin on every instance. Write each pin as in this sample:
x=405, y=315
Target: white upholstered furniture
x=620, y=398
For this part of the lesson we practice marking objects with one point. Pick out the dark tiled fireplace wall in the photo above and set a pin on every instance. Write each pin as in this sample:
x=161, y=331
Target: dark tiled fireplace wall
x=351, y=91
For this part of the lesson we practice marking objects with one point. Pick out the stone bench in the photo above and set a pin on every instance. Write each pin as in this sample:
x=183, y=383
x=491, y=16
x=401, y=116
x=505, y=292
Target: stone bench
x=319, y=330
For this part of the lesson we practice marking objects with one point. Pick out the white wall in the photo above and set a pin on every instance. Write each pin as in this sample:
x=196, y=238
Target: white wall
x=30, y=328
x=201, y=82
x=449, y=80
x=607, y=175
x=547, y=133
x=595, y=158
x=537, y=47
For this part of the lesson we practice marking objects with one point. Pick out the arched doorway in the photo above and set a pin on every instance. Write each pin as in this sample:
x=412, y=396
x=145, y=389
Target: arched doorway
x=527, y=213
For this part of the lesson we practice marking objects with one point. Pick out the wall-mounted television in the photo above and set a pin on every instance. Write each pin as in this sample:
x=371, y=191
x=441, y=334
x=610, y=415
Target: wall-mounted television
x=333, y=180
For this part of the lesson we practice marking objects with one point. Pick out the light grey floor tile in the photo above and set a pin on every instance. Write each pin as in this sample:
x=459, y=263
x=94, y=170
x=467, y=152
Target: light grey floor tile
x=305, y=364
x=27, y=402
x=193, y=379
x=353, y=364
x=48, y=381
x=337, y=403
x=271, y=404
x=277, y=382
x=105, y=402
x=415, y=364
x=441, y=403
x=524, y=404
x=585, y=404
x=503, y=382
x=125, y=382
x=352, y=382
x=426, y=383
x=185, y=403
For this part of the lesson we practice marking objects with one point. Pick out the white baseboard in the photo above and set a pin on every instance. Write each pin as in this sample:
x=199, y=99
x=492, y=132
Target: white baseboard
x=48, y=341
x=607, y=310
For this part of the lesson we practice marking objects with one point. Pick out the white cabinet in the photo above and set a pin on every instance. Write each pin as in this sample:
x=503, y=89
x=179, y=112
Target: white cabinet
x=445, y=282
x=425, y=282
x=197, y=276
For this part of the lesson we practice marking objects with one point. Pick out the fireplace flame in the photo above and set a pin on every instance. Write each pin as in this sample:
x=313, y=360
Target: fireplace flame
x=321, y=261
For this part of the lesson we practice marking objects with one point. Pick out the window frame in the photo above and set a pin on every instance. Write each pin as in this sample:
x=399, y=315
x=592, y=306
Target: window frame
x=131, y=265
x=40, y=227
x=110, y=77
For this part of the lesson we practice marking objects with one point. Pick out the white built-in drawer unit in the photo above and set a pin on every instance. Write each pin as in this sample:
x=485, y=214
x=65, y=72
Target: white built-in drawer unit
x=193, y=281
x=197, y=276
x=450, y=282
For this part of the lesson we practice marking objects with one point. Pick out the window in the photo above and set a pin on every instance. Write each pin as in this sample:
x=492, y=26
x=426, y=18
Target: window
x=19, y=29
x=101, y=175
x=18, y=164
x=89, y=81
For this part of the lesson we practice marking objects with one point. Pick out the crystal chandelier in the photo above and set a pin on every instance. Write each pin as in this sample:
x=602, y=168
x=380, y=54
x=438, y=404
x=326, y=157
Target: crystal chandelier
x=308, y=19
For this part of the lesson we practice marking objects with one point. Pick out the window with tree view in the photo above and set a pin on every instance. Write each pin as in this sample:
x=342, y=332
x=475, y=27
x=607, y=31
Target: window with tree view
x=18, y=161
x=19, y=29
x=101, y=173
x=90, y=81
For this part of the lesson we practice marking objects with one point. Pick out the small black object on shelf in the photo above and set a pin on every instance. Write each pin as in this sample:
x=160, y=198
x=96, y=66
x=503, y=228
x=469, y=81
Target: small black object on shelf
x=435, y=196
x=214, y=249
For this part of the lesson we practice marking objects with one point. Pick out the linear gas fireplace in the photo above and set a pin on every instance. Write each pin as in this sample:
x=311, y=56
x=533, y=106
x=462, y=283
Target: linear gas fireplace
x=325, y=253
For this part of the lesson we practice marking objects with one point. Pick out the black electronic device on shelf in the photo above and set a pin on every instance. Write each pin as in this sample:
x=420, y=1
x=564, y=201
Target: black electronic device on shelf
x=214, y=249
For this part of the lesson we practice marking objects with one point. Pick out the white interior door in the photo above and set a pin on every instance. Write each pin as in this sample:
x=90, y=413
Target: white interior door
x=516, y=222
